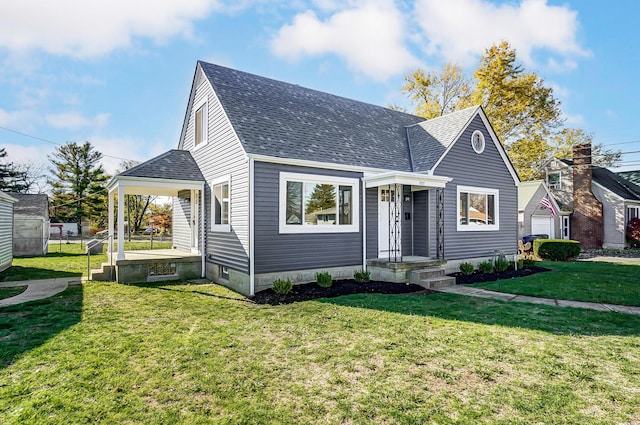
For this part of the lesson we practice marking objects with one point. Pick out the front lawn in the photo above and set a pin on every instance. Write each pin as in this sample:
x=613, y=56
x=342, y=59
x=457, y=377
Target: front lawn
x=578, y=281
x=109, y=353
x=11, y=291
x=64, y=260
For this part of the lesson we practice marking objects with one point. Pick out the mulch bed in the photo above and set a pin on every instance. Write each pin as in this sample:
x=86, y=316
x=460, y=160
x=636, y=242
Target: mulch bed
x=311, y=291
x=478, y=277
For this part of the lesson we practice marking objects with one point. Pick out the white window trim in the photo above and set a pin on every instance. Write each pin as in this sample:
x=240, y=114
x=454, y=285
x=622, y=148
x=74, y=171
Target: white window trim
x=220, y=227
x=480, y=149
x=354, y=227
x=559, y=186
x=202, y=103
x=472, y=227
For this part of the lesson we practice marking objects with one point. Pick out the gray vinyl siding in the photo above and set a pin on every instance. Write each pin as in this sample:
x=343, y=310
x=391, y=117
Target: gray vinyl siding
x=420, y=223
x=181, y=216
x=372, y=222
x=486, y=170
x=6, y=233
x=221, y=156
x=275, y=252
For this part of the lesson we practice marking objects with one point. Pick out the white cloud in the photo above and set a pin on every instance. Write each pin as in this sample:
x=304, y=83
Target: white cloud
x=85, y=29
x=369, y=37
x=574, y=120
x=460, y=30
x=115, y=149
x=74, y=120
x=23, y=119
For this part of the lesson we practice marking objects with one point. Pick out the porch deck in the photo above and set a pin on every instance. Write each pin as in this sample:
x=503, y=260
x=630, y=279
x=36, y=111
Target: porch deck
x=150, y=266
x=414, y=269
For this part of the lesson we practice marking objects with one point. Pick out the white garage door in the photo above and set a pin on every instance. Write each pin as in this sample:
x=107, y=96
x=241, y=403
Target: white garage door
x=542, y=226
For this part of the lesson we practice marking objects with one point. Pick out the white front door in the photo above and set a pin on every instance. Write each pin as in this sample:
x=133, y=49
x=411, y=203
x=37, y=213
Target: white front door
x=389, y=231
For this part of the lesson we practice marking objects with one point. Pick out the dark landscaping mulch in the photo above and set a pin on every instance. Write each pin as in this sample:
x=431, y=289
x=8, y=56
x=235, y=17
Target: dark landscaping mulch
x=311, y=291
x=477, y=277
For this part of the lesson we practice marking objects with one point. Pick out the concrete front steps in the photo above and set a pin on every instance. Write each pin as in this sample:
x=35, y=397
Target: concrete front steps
x=431, y=278
x=105, y=273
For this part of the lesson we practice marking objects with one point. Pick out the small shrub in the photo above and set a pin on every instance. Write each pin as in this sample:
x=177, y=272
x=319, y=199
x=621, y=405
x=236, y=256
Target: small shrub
x=324, y=279
x=466, y=268
x=486, y=267
x=362, y=276
x=282, y=287
x=556, y=249
x=633, y=232
x=527, y=263
x=502, y=264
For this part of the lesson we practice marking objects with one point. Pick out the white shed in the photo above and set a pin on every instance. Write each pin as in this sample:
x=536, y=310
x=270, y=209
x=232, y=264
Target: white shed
x=6, y=230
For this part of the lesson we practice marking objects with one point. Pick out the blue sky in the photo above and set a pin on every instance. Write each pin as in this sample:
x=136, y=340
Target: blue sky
x=118, y=73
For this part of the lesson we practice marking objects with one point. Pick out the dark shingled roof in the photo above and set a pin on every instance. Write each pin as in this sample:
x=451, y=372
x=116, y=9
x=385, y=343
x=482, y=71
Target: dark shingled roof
x=632, y=176
x=284, y=120
x=31, y=205
x=616, y=184
x=174, y=164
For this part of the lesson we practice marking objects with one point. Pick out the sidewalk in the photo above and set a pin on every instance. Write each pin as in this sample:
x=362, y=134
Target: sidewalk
x=38, y=289
x=483, y=293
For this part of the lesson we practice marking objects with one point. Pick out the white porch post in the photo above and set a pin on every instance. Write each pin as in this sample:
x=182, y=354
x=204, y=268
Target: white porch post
x=120, y=222
x=110, y=248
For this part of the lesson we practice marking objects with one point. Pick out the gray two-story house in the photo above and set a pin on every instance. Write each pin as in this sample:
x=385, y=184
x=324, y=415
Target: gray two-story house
x=282, y=181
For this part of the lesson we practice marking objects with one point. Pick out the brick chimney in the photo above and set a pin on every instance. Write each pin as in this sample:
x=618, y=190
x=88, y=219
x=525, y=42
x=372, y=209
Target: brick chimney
x=587, y=224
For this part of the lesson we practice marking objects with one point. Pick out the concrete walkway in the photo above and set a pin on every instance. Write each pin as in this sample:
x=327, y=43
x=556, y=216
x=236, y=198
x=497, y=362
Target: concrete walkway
x=483, y=293
x=38, y=289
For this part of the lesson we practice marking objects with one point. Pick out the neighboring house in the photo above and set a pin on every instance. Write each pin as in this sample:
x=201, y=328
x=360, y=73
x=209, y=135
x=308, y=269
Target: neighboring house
x=601, y=202
x=30, y=224
x=535, y=217
x=6, y=230
x=274, y=180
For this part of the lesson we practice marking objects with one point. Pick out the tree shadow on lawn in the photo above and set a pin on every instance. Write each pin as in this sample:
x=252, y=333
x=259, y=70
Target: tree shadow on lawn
x=20, y=273
x=26, y=326
x=555, y=320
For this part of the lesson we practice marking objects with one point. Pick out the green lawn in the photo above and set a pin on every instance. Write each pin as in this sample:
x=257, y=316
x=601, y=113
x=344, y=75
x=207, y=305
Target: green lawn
x=195, y=354
x=64, y=260
x=578, y=281
x=11, y=291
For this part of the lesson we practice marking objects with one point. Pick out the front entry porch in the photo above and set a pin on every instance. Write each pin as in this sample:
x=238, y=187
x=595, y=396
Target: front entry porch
x=149, y=266
x=424, y=271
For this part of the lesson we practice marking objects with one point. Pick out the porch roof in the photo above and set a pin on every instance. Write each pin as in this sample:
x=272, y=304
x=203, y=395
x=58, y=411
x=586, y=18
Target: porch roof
x=417, y=181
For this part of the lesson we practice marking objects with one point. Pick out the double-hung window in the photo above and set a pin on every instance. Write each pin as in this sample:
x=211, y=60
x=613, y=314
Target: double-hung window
x=632, y=212
x=200, y=125
x=221, y=200
x=318, y=204
x=477, y=209
x=554, y=180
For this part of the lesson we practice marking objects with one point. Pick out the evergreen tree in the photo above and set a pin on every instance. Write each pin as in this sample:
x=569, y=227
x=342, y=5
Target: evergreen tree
x=11, y=178
x=322, y=197
x=78, y=187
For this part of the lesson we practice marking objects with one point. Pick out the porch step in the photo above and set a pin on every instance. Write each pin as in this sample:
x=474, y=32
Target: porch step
x=437, y=282
x=415, y=276
x=103, y=273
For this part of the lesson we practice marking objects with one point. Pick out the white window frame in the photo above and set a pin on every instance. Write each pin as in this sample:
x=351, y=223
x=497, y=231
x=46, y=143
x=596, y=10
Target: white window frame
x=285, y=177
x=220, y=227
x=559, y=185
x=475, y=227
x=627, y=214
x=202, y=104
x=480, y=135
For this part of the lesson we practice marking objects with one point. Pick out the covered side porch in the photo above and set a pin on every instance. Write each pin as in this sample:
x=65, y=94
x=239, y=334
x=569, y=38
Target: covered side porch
x=153, y=178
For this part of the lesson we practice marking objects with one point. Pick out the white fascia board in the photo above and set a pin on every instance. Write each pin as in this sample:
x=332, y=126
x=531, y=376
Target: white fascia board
x=409, y=179
x=6, y=197
x=149, y=186
x=613, y=194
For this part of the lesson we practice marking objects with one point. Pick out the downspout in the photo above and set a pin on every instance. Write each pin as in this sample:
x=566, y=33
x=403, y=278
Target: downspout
x=252, y=276
x=201, y=207
x=364, y=224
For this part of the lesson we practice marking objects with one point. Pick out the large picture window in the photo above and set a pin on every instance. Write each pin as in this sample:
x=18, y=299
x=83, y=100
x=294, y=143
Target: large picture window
x=221, y=199
x=477, y=209
x=320, y=204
